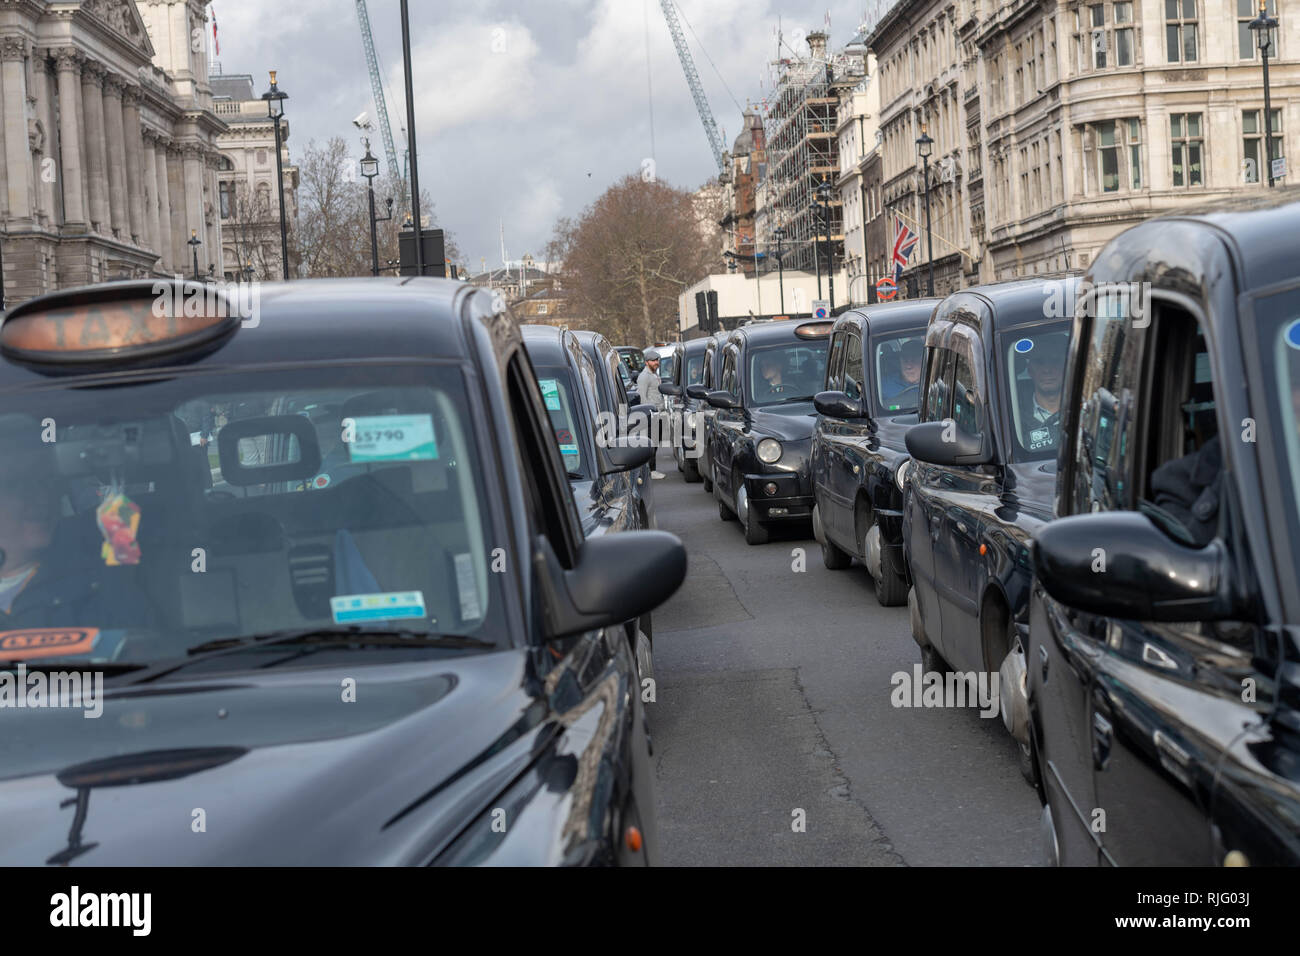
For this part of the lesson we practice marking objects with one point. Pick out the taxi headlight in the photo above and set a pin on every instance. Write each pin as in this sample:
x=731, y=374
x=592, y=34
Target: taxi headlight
x=900, y=476
x=769, y=450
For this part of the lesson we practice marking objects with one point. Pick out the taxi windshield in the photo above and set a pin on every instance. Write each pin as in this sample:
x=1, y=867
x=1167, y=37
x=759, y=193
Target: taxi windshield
x=898, y=360
x=562, y=406
x=666, y=360
x=695, y=369
x=792, y=372
x=147, y=519
x=1035, y=363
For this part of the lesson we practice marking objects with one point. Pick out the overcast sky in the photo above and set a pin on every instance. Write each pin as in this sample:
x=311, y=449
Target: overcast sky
x=526, y=110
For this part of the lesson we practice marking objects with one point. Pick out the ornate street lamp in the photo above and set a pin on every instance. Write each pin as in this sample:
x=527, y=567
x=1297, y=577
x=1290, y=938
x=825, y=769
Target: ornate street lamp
x=194, y=242
x=1264, y=25
x=275, y=98
x=370, y=169
x=924, y=146
x=780, y=264
x=824, y=193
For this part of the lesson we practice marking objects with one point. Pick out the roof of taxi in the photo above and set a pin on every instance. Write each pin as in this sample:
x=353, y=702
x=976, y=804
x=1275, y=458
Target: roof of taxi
x=1260, y=230
x=312, y=320
x=760, y=333
x=1017, y=301
x=694, y=346
x=891, y=316
x=545, y=343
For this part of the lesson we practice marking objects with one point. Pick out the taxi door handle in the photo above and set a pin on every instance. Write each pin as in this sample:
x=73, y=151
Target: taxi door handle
x=1043, y=660
x=1102, y=734
x=961, y=526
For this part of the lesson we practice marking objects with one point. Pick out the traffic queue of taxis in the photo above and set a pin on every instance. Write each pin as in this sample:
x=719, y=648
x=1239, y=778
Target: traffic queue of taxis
x=1085, y=488
x=332, y=582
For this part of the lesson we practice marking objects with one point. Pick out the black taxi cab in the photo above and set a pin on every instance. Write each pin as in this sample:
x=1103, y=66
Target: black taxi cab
x=1164, y=645
x=859, y=459
x=761, y=435
x=711, y=376
x=311, y=557
x=982, y=479
x=685, y=408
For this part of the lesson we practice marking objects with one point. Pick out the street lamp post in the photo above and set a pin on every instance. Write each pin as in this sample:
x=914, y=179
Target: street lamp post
x=370, y=169
x=1263, y=25
x=194, y=242
x=275, y=98
x=824, y=195
x=924, y=145
x=780, y=264
x=248, y=271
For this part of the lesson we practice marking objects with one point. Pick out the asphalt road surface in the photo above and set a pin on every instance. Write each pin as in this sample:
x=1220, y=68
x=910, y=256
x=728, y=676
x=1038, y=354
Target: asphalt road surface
x=773, y=697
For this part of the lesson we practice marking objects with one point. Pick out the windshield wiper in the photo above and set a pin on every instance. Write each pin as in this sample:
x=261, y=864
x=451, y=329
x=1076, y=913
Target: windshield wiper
x=797, y=398
x=360, y=634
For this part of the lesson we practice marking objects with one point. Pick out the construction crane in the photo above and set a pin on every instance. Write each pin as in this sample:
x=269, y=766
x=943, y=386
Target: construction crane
x=693, y=81
x=377, y=88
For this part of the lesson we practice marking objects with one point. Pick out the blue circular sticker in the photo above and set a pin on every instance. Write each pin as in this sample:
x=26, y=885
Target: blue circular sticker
x=1293, y=334
x=1024, y=345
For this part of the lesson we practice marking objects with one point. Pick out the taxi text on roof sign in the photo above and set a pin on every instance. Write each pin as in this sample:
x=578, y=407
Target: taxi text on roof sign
x=123, y=320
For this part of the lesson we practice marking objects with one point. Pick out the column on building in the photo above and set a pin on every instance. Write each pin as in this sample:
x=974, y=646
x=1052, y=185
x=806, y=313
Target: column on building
x=71, y=176
x=116, y=142
x=213, y=214
x=149, y=190
x=166, y=249
x=92, y=101
x=43, y=187
x=176, y=210
x=17, y=153
x=135, y=192
x=193, y=169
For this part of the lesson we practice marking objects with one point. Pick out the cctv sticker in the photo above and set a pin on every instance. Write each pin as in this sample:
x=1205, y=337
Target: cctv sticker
x=1293, y=334
x=1024, y=346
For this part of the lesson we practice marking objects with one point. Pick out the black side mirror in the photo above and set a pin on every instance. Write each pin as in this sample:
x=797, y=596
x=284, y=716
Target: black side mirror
x=626, y=457
x=697, y=392
x=633, y=396
x=944, y=443
x=722, y=400
x=838, y=405
x=1121, y=565
x=669, y=389
x=617, y=577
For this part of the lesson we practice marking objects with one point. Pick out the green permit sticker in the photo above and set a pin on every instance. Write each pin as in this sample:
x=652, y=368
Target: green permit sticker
x=551, y=392
x=393, y=438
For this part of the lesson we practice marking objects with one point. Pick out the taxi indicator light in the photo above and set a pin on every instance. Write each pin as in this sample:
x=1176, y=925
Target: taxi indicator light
x=116, y=322
x=632, y=837
x=814, y=330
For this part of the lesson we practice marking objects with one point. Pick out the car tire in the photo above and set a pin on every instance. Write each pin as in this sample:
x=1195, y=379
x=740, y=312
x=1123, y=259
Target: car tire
x=932, y=661
x=724, y=511
x=756, y=532
x=692, y=471
x=708, y=482
x=1024, y=752
x=834, y=557
x=891, y=582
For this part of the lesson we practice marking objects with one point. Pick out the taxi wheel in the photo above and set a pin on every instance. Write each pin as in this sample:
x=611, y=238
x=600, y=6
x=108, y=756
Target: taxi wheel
x=931, y=662
x=724, y=512
x=708, y=482
x=755, y=531
x=891, y=582
x=834, y=557
x=1024, y=752
x=691, y=470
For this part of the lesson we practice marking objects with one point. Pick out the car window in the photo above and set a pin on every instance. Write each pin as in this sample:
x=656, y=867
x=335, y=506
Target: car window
x=561, y=396
x=1279, y=341
x=729, y=374
x=853, y=373
x=835, y=363
x=1101, y=457
x=210, y=506
x=1035, y=363
x=967, y=409
x=938, y=372
x=666, y=365
x=898, y=362
x=695, y=369
x=789, y=372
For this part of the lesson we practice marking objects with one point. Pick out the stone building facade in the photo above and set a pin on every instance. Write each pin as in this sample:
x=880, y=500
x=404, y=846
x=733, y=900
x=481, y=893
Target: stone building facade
x=109, y=143
x=1059, y=124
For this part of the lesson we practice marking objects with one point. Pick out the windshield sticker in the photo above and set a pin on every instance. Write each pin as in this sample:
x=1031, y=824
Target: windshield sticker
x=1293, y=334
x=550, y=392
x=47, y=642
x=118, y=518
x=1041, y=438
x=569, y=451
x=469, y=604
x=393, y=438
x=391, y=606
x=1025, y=346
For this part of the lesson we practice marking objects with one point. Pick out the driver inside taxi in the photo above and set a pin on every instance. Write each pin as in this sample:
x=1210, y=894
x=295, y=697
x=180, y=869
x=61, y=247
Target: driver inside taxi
x=771, y=368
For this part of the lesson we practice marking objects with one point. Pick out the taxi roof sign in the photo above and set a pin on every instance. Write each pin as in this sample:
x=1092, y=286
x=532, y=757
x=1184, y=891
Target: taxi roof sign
x=814, y=330
x=117, y=322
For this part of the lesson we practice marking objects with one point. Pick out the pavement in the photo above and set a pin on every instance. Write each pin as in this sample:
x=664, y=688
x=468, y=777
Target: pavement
x=775, y=739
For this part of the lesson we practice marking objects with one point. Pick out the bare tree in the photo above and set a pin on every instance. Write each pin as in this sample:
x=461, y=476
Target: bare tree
x=630, y=255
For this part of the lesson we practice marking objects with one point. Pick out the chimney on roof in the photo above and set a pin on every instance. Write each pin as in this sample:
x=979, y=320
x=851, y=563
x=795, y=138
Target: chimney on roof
x=817, y=45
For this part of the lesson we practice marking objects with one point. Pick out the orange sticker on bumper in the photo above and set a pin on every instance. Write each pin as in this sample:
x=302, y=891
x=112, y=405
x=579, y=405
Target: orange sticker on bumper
x=46, y=642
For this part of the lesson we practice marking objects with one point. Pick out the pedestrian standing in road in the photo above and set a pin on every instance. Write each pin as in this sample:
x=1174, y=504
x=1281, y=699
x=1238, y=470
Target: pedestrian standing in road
x=647, y=386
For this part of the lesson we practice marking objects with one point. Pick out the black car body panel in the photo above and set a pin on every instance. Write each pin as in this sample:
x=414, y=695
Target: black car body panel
x=689, y=360
x=1184, y=731
x=417, y=769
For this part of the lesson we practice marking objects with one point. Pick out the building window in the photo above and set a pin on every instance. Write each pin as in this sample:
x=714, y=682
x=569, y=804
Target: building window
x=226, y=193
x=1246, y=44
x=1108, y=156
x=1134, y=153
x=1123, y=33
x=541, y=308
x=1253, y=169
x=1185, y=137
x=1180, y=31
x=1119, y=154
x=1097, y=13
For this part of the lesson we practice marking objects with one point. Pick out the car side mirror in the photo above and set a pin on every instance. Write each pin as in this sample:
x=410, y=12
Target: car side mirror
x=617, y=577
x=669, y=389
x=722, y=400
x=838, y=405
x=944, y=443
x=698, y=392
x=627, y=457
x=1121, y=565
x=633, y=396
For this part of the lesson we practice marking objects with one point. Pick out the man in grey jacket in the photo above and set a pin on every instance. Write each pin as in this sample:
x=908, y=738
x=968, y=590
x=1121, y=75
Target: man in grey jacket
x=647, y=386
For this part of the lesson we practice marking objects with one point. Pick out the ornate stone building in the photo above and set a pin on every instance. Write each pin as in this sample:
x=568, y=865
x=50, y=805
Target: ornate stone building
x=109, y=143
x=1058, y=124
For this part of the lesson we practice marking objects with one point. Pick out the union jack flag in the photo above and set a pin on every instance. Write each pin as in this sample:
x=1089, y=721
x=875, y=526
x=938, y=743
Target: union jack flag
x=905, y=241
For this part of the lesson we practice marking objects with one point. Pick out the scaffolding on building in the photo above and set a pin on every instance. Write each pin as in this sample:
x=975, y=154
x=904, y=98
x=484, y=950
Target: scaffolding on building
x=802, y=152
